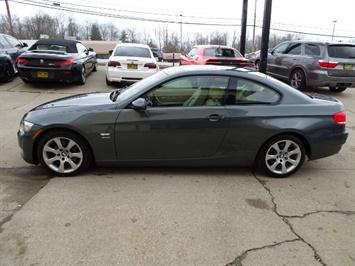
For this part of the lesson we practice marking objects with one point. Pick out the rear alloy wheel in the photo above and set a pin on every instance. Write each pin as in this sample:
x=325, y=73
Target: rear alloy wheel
x=337, y=89
x=9, y=73
x=82, y=79
x=298, y=79
x=281, y=156
x=63, y=153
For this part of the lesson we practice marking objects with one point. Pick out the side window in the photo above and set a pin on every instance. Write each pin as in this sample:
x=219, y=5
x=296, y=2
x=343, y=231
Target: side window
x=189, y=91
x=81, y=48
x=249, y=92
x=281, y=48
x=312, y=49
x=13, y=42
x=193, y=52
x=4, y=42
x=294, y=49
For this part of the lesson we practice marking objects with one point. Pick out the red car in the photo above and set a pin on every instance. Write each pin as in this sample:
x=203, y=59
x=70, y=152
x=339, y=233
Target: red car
x=215, y=55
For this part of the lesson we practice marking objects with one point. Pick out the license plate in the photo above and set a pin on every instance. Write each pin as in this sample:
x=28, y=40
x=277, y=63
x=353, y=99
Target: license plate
x=42, y=74
x=132, y=66
x=348, y=67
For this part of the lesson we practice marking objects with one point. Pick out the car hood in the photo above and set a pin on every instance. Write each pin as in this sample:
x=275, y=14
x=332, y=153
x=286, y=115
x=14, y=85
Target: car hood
x=80, y=101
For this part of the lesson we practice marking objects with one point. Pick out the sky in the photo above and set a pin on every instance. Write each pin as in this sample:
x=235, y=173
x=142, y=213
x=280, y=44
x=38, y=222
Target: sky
x=318, y=17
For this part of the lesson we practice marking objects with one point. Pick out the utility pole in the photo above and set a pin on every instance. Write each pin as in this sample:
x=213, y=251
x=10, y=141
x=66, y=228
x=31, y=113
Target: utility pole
x=265, y=36
x=254, y=48
x=9, y=15
x=244, y=27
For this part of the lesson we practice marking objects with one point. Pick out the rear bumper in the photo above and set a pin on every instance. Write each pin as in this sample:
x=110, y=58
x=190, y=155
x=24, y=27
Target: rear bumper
x=115, y=75
x=328, y=145
x=322, y=79
x=53, y=75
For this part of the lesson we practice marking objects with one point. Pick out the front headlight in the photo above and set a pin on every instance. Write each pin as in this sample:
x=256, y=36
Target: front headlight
x=25, y=126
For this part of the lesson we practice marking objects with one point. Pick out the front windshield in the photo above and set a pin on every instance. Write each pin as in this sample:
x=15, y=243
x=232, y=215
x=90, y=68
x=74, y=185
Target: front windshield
x=144, y=83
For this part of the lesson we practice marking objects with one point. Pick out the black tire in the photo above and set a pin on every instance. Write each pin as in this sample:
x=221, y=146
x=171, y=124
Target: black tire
x=82, y=78
x=257, y=65
x=298, y=79
x=109, y=83
x=337, y=89
x=63, y=153
x=95, y=67
x=281, y=156
x=9, y=73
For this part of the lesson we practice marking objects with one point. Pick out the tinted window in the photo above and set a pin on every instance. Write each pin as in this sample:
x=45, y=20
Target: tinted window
x=294, y=49
x=341, y=51
x=221, y=52
x=249, y=92
x=312, y=49
x=132, y=51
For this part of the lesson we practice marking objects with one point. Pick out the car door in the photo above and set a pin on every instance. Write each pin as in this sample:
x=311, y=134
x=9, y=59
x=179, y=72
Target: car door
x=85, y=56
x=282, y=59
x=168, y=128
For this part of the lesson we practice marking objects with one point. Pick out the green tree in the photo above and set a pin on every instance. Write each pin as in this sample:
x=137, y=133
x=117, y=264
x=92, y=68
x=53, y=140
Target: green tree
x=95, y=32
x=124, y=36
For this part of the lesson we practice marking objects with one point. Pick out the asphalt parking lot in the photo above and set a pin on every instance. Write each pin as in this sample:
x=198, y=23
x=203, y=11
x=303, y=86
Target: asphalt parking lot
x=170, y=216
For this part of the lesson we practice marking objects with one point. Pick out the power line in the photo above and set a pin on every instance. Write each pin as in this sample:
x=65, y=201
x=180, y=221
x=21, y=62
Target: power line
x=171, y=18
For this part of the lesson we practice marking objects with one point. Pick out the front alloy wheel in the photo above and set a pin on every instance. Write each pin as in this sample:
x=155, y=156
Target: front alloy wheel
x=282, y=156
x=63, y=153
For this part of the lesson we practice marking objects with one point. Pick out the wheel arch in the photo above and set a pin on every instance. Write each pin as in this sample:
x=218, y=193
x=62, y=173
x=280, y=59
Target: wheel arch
x=44, y=132
x=298, y=67
x=302, y=138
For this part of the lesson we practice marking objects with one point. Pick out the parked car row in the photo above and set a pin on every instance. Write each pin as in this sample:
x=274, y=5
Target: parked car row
x=302, y=64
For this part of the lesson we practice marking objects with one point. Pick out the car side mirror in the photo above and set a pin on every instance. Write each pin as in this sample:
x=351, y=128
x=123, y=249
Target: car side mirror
x=110, y=52
x=24, y=44
x=139, y=104
x=91, y=50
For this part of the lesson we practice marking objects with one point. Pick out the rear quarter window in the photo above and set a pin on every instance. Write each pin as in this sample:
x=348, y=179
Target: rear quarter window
x=312, y=49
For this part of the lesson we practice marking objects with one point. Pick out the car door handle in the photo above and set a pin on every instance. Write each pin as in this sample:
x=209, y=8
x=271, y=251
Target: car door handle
x=215, y=118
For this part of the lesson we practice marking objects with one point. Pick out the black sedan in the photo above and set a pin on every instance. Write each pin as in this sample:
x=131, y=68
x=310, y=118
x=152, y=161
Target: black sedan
x=186, y=116
x=57, y=60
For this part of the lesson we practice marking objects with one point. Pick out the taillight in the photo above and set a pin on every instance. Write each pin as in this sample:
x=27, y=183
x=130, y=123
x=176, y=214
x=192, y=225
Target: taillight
x=150, y=65
x=327, y=64
x=22, y=61
x=113, y=64
x=340, y=118
x=67, y=62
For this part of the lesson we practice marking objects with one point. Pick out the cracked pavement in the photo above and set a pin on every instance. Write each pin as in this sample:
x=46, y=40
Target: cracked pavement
x=171, y=216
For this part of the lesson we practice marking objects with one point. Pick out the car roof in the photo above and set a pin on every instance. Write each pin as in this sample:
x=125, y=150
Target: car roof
x=213, y=46
x=133, y=44
x=322, y=42
x=71, y=44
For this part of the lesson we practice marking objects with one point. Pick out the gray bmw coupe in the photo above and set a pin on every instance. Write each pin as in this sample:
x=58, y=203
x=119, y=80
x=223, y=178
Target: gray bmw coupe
x=186, y=116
